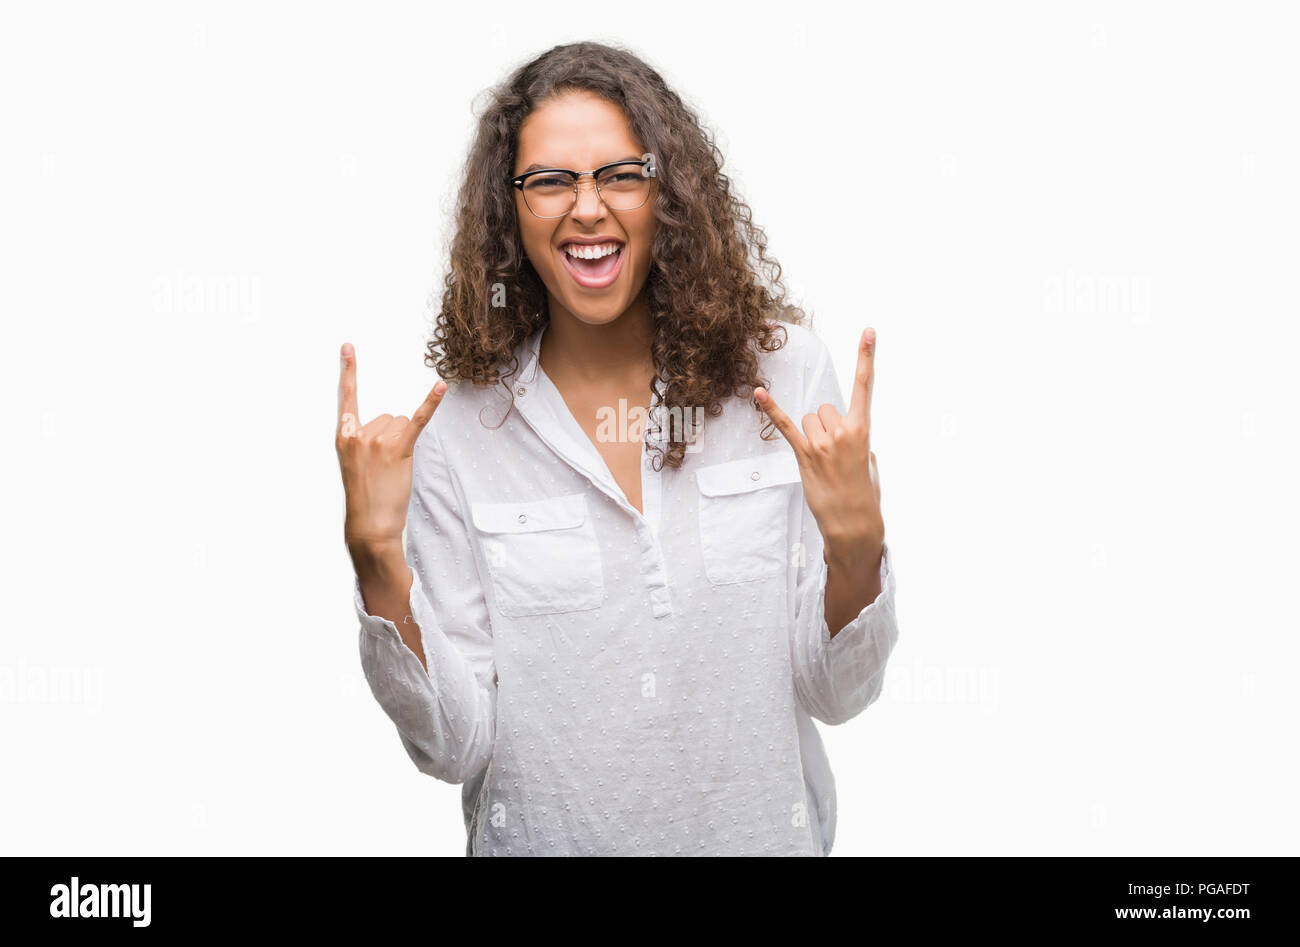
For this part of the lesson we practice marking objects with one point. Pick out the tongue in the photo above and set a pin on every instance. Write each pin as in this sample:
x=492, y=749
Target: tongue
x=595, y=268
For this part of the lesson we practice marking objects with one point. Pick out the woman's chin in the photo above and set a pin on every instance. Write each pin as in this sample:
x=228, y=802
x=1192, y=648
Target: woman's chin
x=594, y=312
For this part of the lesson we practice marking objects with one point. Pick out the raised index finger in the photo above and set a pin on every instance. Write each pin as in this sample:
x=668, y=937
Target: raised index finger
x=347, y=383
x=864, y=377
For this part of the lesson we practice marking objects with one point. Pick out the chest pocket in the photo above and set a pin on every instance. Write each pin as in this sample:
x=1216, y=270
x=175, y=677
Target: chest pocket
x=543, y=555
x=744, y=507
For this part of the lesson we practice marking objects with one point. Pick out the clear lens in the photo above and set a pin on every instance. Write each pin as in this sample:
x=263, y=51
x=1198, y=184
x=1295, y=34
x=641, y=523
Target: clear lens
x=549, y=195
x=624, y=187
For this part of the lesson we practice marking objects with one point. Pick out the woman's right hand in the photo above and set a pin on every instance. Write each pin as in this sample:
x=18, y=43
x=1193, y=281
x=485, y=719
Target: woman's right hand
x=376, y=463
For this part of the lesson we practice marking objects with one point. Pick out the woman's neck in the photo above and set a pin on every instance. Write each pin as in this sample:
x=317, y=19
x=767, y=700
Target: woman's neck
x=615, y=353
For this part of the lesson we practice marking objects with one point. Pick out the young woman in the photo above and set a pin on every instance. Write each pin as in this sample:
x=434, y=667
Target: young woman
x=626, y=596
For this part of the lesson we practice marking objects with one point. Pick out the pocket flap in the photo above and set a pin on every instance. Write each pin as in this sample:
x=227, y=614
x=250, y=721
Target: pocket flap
x=748, y=473
x=528, y=516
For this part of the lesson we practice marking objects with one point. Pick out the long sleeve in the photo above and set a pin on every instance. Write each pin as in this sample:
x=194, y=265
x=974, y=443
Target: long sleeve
x=836, y=678
x=446, y=718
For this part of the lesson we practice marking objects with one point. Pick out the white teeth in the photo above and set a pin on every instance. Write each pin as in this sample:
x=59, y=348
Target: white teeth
x=590, y=252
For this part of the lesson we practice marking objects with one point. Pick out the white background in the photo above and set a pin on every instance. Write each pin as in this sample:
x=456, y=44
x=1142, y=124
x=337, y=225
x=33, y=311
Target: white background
x=1074, y=229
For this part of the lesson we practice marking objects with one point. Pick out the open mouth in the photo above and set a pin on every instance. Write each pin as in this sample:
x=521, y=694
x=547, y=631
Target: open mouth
x=593, y=267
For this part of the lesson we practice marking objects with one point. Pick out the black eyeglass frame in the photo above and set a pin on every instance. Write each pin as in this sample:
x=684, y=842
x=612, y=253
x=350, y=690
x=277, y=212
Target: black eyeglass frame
x=647, y=163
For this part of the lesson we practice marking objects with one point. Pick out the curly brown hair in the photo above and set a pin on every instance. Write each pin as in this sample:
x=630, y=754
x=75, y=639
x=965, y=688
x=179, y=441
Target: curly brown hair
x=710, y=312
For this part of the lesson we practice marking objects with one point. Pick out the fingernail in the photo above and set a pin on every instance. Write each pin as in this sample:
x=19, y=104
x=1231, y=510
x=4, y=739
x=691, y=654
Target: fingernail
x=439, y=386
x=760, y=394
x=870, y=336
x=347, y=351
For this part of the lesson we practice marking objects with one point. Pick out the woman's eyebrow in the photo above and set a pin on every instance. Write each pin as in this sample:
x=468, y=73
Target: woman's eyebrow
x=539, y=167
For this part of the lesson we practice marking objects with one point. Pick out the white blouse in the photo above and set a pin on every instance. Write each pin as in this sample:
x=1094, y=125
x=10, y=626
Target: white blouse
x=610, y=683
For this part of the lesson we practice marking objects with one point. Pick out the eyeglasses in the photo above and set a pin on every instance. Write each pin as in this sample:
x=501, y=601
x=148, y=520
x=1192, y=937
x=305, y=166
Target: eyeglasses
x=553, y=192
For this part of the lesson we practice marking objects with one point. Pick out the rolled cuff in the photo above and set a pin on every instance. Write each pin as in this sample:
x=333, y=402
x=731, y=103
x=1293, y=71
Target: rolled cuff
x=417, y=608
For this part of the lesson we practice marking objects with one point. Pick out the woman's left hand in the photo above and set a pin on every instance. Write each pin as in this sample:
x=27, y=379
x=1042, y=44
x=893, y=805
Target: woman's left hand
x=838, y=468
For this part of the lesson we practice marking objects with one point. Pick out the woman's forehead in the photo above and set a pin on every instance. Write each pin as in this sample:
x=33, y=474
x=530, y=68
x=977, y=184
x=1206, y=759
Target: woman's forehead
x=577, y=131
